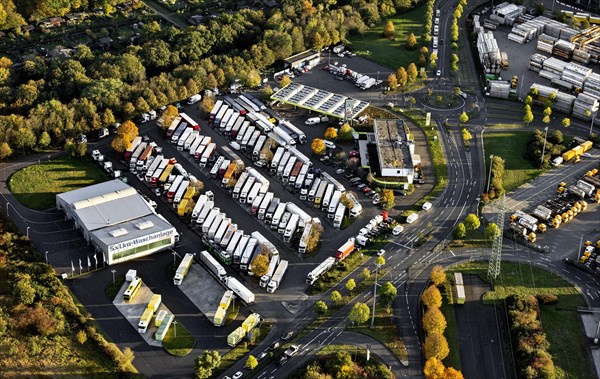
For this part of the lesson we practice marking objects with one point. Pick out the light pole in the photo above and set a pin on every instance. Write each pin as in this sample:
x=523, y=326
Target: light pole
x=490, y=176
x=7, y=204
x=544, y=146
x=113, y=272
x=592, y=124
x=374, y=295
x=27, y=232
x=46, y=256
x=175, y=329
x=174, y=258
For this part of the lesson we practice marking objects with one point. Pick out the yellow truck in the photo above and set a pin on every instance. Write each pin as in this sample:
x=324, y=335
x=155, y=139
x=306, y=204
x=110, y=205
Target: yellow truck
x=181, y=208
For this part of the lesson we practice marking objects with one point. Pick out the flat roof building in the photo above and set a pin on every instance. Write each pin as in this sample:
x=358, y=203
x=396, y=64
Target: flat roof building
x=117, y=221
x=394, y=149
x=308, y=58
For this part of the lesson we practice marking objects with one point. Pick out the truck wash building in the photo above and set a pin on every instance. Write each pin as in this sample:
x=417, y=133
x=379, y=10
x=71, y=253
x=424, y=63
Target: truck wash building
x=117, y=221
x=308, y=58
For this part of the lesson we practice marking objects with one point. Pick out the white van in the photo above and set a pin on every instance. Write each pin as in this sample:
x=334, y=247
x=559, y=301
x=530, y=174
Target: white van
x=312, y=121
x=329, y=144
x=412, y=218
x=427, y=206
x=235, y=145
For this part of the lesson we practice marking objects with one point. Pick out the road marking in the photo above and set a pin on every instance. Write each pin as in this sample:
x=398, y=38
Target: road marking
x=577, y=277
x=273, y=370
x=588, y=286
x=451, y=252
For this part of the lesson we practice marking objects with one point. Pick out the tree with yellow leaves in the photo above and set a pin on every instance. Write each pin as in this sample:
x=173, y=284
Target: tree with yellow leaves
x=431, y=297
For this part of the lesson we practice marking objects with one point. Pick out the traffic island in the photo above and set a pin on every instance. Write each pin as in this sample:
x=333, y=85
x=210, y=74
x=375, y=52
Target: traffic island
x=178, y=341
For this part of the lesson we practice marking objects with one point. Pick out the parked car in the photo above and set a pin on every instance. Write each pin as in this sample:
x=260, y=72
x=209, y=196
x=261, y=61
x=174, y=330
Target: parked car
x=274, y=345
x=380, y=252
x=287, y=336
x=238, y=375
x=371, y=194
x=348, y=176
x=397, y=230
x=361, y=186
x=376, y=201
x=367, y=189
x=262, y=355
x=340, y=171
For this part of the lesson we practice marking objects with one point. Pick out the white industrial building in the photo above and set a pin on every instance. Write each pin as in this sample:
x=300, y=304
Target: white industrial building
x=394, y=150
x=117, y=221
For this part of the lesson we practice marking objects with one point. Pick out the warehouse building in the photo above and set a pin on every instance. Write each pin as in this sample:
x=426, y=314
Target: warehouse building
x=308, y=59
x=117, y=221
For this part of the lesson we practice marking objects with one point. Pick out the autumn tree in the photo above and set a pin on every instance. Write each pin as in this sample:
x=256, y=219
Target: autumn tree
x=336, y=297
x=452, y=373
x=359, y=313
x=431, y=297
x=119, y=144
x=318, y=146
x=437, y=275
x=314, y=237
x=81, y=337
x=492, y=230
x=330, y=134
x=411, y=42
x=126, y=358
x=527, y=114
x=435, y=345
x=434, y=369
x=350, y=285
x=463, y=118
x=460, y=231
x=387, y=293
x=206, y=105
x=392, y=81
x=260, y=265
x=401, y=76
x=345, y=132
x=566, y=122
x=389, y=30
x=472, y=223
x=251, y=362
x=366, y=273
x=412, y=73
x=206, y=363
x=466, y=136
x=388, y=199
x=321, y=307
x=167, y=117
x=285, y=80
x=434, y=321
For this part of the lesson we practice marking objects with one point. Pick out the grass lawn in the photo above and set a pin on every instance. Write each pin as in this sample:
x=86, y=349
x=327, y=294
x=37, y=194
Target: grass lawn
x=560, y=321
x=511, y=147
x=113, y=289
x=391, y=54
x=36, y=186
x=451, y=332
x=181, y=345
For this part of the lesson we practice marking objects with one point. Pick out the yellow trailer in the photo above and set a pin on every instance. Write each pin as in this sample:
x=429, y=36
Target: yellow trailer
x=568, y=155
x=182, y=207
x=586, y=145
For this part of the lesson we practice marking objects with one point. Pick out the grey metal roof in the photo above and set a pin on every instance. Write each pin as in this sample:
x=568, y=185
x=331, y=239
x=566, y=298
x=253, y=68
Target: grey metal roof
x=93, y=191
x=114, y=212
x=132, y=231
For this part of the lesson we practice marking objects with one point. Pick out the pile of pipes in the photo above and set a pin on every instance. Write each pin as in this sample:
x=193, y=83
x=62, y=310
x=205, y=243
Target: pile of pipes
x=489, y=53
x=560, y=101
x=529, y=30
x=585, y=106
x=591, y=86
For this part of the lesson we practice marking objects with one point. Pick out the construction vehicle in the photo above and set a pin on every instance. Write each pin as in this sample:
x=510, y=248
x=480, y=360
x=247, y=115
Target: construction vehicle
x=277, y=277
x=321, y=269
x=561, y=187
x=183, y=268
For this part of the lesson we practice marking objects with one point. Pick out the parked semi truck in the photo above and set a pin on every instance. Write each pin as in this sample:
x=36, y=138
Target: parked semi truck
x=266, y=278
x=183, y=268
x=322, y=268
x=213, y=265
x=304, y=239
x=277, y=277
x=345, y=250
x=240, y=290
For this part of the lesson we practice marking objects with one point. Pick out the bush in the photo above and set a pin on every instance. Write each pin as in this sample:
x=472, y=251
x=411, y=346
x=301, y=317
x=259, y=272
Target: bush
x=547, y=298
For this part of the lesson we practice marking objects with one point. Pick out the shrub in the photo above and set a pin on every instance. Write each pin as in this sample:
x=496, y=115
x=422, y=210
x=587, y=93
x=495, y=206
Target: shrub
x=547, y=298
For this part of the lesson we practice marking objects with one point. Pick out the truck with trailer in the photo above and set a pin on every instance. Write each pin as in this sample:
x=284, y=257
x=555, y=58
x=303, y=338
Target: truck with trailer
x=220, y=114
x=277, y=215
x=132, y=147
x=202, y=199
x=321, y=269
x=182, y=207
x=231, y=122
x=183, y=268
x=233, y=242
x=190, y=121
x=213, y=265
x=304, y=238
x=288, y=170
x=174, y=187
x=260, y=178
x=268, y=216
x=253, y=193
x=313, y=189
x=321, y=193
x=252, y=141
x=333, y=204
x=266, y=278
x=221, y=230
x=146, y=153
x=158, y=172
x=164, y=176
x=240, y=122
x=295, y=171
x=257, y=147
x=226, y=116
x=229, y=173
x=153, y=167
x=345, y=250
x=174, y=124
x=304, y=218
x=276, y=158
x=256, y=205
x=339, y=215
x=266, y=201
x=181, y=128
x=236, y=336
x=239, y=184
x=136, y=153
x=327, y=176
x=180, y=192
x=215, y=225
x=215, y=109
x=356, y=209
x=183, y=138
x=204, y=212
x=277, y=277
x=282, y=163
x=246, y=138
x=214, y=170
x=206, y=140
x=301, y=176
x=231, y=229
x=300, y=136
x=284, y=136
x=248, y=185
x=248, y=104
x=290, y=228
x=240, y=248
x=251, y=322
x=283, y=223
x=210, y=148
x=327, y=197
x=209, y=220
x=194, y=135
x=194, y=146
x=248, y=253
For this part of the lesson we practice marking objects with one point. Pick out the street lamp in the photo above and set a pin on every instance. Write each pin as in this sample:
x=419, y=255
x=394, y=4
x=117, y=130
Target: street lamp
x=490, y=176
x=7, y=204
x=374, y=296
x=175, y=329
x=46, y=256
x=27, y=232
x=592, y=124
x=544, y=146
x=113, y=272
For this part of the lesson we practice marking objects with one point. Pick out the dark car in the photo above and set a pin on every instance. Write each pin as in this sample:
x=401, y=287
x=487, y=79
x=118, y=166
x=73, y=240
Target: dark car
x=286, y=336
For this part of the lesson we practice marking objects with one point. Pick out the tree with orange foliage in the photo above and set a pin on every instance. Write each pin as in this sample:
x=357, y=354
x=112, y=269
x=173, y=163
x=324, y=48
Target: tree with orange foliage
x=452, y=373
x=431, y=297
x=435, y=345
x=434, y=321
x=437, y=275
x=434, y=369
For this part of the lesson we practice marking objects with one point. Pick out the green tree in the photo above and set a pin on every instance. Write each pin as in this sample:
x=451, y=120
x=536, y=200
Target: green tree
x=359, y=313
x=321, y=307
x=463, y=118
x=566, y=122
x=318, y=146
x=387, y=293
x=44, y=140
x=380, y=261
x=472, y=222
x=528, y=100
x=5, y=150
x=206, y=363
x=411, y=42
x=23, y=290
x=527, y=115
x=251, y=362
x=350, y=285
x=260, y=265
x=80, y=149
x=431, y=297
x=437, y=275
x=546, y=119
x=547, y=111
x=336, y=297
x=466, y=136
x=492, y=231
x=412, y=101
x=81, y=337
x=460, y=232
x=345, y=132
x=389, y=30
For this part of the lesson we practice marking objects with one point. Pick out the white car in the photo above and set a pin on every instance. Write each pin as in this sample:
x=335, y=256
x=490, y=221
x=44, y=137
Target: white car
x=340, y=171
x=397, y=230
x=237, y=375
x=380, y=252
x=586, y=155
x=438, y=73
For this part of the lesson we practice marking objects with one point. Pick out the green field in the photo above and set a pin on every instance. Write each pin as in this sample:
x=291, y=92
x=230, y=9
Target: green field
x=180, y=345
x=36, y=186
x=560, y=321
x=511, y=147
x=391, y=53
